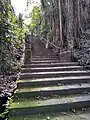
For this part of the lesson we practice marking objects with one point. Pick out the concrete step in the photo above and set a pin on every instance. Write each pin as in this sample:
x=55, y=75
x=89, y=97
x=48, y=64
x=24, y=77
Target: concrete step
x=48, y=69
x=53, y=74
x=33, y=106
x=44, y=61
x=53, y=81
x=51, y=65
x=52, y=90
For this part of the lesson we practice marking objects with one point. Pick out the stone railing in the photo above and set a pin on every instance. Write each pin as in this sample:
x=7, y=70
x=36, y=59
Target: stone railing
x=27, y=58
x=56, y=49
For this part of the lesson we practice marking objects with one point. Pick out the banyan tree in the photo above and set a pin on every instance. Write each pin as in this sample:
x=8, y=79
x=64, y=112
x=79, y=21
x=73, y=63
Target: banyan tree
x=69, y=25
x=66, y=24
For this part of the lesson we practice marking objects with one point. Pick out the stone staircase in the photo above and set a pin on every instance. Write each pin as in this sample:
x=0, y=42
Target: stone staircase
x=50, y=85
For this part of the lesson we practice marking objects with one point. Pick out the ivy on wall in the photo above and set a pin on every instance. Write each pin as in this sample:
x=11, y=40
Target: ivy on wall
x=11, y=36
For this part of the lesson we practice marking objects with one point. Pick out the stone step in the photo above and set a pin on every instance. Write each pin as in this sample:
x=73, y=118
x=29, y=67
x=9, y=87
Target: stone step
x=53, y=81
x=34, y=106
x=51, y=64
x=44, y=61
x=41, y=59
x=53, y=74
x=78, y=115
x=48, y=69
x=48, y=56
x=52, y=90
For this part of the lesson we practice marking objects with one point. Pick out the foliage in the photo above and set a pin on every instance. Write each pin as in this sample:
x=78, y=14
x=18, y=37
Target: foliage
x=36, y=18
x=6, y=105
x=45, y=19
x=11, y=36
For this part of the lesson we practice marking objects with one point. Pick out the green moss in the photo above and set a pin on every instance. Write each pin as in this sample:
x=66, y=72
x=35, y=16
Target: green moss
x=24, y=104
x=27, y=90
x=53, y=116
x=25, y=80
x=27, y=103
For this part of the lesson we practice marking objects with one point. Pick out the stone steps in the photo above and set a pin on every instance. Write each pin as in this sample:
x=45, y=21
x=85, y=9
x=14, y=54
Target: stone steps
x=53, y=74
x=49, y=85
x=53, y=90
x=32, y=106
x=48, y=69
x=47, y=56
x=41, y=59
x=44, y=61
x=79, y=115
x=53, y=81
x=51, y=64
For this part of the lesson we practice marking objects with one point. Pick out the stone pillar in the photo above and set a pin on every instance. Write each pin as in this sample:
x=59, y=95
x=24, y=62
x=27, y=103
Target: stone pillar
x=27, y=59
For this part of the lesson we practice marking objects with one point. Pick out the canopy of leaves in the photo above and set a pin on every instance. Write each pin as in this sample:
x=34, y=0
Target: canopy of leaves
x=40, y=18
x=36, y=18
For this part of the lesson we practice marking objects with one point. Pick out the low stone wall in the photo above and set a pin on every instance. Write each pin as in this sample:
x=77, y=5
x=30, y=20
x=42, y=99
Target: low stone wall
x=82, y=52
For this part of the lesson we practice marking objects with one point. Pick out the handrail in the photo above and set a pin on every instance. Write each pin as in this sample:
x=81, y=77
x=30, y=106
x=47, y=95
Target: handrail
x=64, y=52
x=51, y=43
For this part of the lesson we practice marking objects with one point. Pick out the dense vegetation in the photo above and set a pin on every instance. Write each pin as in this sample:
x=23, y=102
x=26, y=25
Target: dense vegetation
x=66, y=24
x=46, y=21
x=11, y=40
x=11, y=36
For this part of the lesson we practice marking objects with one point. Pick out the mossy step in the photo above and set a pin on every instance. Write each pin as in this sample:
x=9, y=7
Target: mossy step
x=53, y=90
x=53, y=81
x=50, y=64
x=53, y=74
x=54, y=116
x=49, y=105
x=48, y=69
